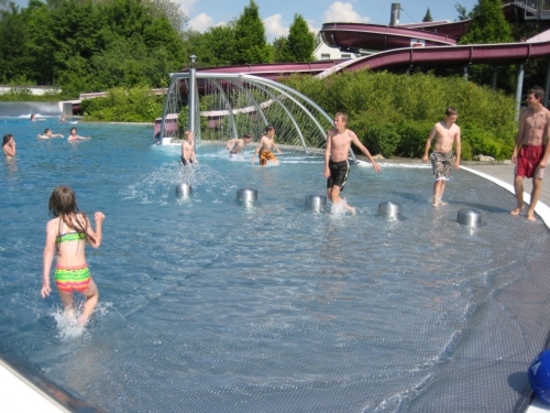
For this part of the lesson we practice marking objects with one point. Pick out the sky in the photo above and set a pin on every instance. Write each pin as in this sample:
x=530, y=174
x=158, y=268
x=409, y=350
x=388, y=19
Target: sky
x=278, y=15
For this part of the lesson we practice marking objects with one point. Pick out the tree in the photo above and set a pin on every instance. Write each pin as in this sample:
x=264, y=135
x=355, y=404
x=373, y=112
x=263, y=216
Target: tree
x=488, y=25
x=300, y=43
x=171, y=11
x=428, y=16
x=462, y=12
x=214, y=47
x=250, y=41
x=279, y=45
x=13, y=38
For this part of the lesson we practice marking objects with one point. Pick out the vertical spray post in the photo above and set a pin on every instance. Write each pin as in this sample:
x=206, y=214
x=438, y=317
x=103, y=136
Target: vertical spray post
x=191, y=94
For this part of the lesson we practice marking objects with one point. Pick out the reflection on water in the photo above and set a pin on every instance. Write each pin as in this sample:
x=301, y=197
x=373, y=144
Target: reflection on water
x=268, y=308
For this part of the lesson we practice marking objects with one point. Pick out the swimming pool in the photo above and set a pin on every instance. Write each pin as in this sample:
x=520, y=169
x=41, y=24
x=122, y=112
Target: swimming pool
x=206, y=305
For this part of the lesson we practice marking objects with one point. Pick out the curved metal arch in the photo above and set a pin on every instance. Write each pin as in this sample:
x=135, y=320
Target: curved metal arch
x=288, y=113
x=300, y=105
x=228, y=104
x=166, y=104
x=254, y=101
x=302, y=96
x=291, y=91
x=285, y=90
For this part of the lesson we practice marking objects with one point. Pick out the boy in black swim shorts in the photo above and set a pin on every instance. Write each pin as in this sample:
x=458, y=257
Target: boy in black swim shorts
x=339, y=140
x=339, y=172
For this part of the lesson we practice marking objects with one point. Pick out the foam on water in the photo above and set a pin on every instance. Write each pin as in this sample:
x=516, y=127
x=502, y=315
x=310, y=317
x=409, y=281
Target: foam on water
x=339, y=209
x=68, y=325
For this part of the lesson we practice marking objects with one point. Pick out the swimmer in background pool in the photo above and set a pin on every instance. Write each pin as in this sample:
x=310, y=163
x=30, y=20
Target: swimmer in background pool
x=49, y=135
x=531, y=149
x=66, y=235
x=9, y=146
x=188, y=155
x=339, y=140
x=236, y=146
x=265, y=148
x=446, y=133
x=75, y=137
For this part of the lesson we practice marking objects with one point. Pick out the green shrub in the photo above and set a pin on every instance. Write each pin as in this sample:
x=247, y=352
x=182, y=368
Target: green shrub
x=124, y=105
x=482, y=142
x=383, y=104
x=413, y=138
x=377, y=130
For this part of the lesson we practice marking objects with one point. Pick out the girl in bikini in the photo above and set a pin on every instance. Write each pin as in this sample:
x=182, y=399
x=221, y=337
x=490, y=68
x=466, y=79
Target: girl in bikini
x=66, y=235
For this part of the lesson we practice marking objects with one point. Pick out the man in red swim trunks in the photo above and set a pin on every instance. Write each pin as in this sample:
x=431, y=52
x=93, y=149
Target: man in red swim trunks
x=532, y=142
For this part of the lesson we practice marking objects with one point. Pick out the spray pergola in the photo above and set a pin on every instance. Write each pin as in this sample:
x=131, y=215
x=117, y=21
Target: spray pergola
x=221, y=106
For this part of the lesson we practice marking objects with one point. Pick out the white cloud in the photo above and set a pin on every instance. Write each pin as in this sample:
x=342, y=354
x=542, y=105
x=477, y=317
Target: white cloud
x=200, y=23
x=343, y=12
x=185, y=5
x=274, y=26
x=312, y=28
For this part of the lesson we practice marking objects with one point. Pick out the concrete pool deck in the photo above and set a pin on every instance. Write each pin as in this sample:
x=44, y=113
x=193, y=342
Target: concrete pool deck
x=20, y=395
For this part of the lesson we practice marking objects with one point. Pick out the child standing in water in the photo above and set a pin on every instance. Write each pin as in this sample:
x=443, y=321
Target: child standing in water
x=67, y=234
x=446, y=134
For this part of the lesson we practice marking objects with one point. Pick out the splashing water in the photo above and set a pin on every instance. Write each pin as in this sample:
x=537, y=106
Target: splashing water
x=339, y=209
x=68, y=326
x=159, y=186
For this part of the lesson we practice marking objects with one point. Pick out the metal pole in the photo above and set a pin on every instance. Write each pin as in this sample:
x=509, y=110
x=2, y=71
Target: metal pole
x=394, y=18
x=494, y=78
x=519, y=89
x=465, y=75
x=547, y=85
x=191, y=95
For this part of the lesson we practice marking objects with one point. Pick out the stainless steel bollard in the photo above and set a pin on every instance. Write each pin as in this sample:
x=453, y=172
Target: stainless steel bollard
x=469, y=217
x=183, y=190
x=389, y=209
x=316, y=202
x=247, y=196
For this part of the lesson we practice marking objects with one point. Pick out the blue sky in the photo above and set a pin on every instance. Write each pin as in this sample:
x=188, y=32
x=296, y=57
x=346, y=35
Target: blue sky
x=278, y=14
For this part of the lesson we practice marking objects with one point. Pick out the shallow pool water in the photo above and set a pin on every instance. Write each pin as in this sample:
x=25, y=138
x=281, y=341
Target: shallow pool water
x=206, y=305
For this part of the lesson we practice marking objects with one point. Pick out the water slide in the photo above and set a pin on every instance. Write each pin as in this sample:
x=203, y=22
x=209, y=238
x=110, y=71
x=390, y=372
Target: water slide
x=427, y=44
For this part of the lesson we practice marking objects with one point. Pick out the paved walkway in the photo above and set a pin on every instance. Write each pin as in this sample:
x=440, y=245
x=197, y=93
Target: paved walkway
x=505, y=172
x=502, y=173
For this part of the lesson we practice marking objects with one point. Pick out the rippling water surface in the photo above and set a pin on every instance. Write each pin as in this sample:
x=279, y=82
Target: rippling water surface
x=208, y=306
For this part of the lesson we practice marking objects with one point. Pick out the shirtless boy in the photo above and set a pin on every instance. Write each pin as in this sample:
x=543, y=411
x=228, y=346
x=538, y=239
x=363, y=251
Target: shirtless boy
x=49, y=135
x=188, y=155
x=265, y=148
x=446, y=133
x=236, y=145
x=339, y=140
x=533, y=134
x=8, y=146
